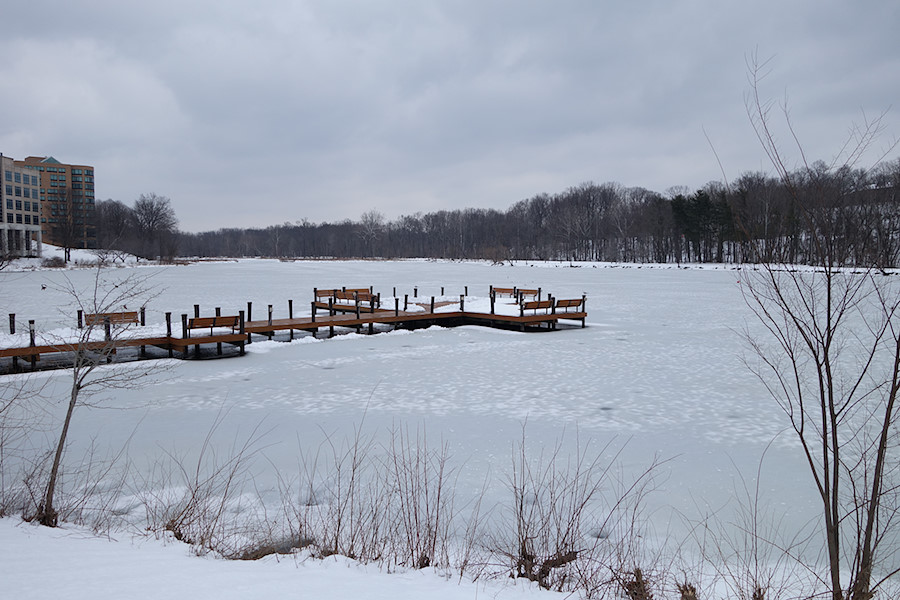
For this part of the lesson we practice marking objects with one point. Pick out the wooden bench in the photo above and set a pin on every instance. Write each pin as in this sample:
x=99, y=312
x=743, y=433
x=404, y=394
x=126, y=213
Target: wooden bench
x=499, y=291
x=232, y=321
x=562, y=307
x=525, y=293
x=114, y=318
x=535, y=306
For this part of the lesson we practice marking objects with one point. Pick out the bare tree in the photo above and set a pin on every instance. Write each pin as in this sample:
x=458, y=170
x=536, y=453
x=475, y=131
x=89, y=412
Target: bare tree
x=371, y=226
x=830, y=357
x=91, y=373
x=156, y=221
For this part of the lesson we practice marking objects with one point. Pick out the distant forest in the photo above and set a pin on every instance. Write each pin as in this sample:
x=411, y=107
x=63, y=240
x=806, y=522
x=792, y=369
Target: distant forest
x=754, y=218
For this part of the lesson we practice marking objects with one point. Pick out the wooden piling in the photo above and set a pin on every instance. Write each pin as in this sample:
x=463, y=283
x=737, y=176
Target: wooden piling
x=31, y=337
x=241, y=325
x=219, y=344
x=169, y=332
x=291, y=315
x=80, y=319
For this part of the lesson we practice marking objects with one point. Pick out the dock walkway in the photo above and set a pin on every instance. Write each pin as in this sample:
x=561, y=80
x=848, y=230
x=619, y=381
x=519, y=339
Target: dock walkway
x=362, y=311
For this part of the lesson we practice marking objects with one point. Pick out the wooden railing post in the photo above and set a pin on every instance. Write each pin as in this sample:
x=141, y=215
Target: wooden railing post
x=396, y=306
x=12, y=323
x=405, y=302
x=196, y=311
x=432, y=305
x=249, y=312
x=143, y=316
x=493, y=299
x=462, y=303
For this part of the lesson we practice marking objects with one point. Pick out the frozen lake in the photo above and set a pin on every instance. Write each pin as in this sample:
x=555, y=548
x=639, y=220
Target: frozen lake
x=657, y=371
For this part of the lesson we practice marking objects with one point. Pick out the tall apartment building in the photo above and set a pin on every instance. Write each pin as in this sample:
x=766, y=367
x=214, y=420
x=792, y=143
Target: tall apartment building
x=66, y=201
x=20, y=210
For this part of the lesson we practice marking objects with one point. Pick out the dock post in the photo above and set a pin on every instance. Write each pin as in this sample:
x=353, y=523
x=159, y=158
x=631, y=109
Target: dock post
x=442, y=290
x=291, y=315
x=432, y=305
x=416, y=292
x=184, y=333
x=462, y=303
x=466, y=290
x=241, y=323
x=107, y=337
x=331, y=306
x=270, y=333
x=249, y=312
x=312, y=311
x=31, y=336
x=493, y=299
x=356, y=298
x=143, y=316
x=490, y=290
x=583, y=309
x=219, y=344
x=405, y=302
x=80, y=319
x=196, y=311
x=396, y=306
x=539, y=294
x=12, y=331
x=395, y=291
x=169, y=331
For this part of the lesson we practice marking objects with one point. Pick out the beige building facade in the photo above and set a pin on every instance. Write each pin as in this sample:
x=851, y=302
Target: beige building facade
x=20, y=210
x=66, y=201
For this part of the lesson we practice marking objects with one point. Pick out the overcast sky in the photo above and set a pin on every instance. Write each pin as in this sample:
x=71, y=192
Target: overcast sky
x=253, y=114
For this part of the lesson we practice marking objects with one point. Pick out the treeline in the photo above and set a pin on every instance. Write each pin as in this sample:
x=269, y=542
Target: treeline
x=148, y=228
x=755, y=217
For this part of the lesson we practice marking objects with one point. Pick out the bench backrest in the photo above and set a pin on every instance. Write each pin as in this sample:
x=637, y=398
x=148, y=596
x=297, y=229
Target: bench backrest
x=115, y=318
x=532, y=293
x=569, y=303
x=537, y=305
x=504, y=291
x=221, y=321
x=324, y=293
x=361, y=295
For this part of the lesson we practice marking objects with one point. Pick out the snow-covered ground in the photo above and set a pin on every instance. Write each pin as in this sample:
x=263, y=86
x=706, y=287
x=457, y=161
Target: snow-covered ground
x=657, y=374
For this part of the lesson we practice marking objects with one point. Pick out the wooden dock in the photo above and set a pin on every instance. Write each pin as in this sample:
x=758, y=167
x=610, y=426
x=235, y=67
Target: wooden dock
x=358, y=309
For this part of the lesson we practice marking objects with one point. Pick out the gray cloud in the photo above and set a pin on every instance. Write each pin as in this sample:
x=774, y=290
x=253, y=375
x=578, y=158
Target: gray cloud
x=326, y=109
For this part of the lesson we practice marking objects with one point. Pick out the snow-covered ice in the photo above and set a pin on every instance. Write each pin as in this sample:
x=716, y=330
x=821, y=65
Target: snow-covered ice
x=657, y=372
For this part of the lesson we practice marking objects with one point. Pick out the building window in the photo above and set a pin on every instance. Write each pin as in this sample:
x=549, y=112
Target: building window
x=27, y=206
x=9, y=218
x=28, y=219
x=19, y=219
x=34, y=180
x=9, y=175
x=9, y=204
x=18, y=191
x=9, y=190
x=18, y=205
x=35, y=207
x=18, y=177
